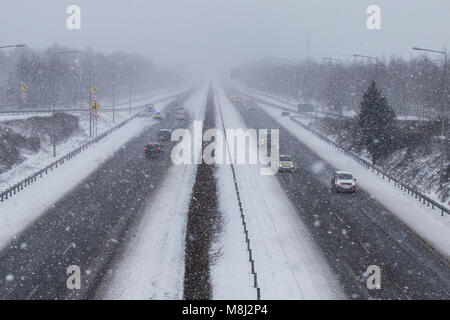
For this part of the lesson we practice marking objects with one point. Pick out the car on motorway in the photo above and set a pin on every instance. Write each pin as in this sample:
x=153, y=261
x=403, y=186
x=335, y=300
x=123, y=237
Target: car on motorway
x=153, y=150
x=343, y=182
x=145, y=114
x=157, y=115
x=286, y=163
x=180, y=114
x=164, y=134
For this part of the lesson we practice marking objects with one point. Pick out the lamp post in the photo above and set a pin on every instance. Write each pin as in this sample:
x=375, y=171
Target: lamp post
x=54, y=95
x=354, y=79
x=13, y=46
x=113, y=89
x=21, y=45
x=337, y=83
x=371, y=58
x=443, y=109
x=130, y=87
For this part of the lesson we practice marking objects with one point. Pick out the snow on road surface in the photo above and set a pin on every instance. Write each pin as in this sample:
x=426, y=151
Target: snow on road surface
x=427, y=223
x=288, y=263
x=152, y=266
x=230, y=271
x=26, y=206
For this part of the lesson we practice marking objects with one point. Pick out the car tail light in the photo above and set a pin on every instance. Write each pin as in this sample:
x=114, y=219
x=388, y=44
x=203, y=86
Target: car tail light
x=146, y=148
x=159, y=148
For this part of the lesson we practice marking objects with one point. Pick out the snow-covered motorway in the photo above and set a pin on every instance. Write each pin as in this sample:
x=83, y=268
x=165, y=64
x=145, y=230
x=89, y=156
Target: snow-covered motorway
x=85, y=227
x=126, y=225
x=355, y=231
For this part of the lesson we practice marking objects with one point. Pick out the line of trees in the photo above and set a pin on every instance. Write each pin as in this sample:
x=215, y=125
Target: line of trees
x=70, y=73
x=412, y=86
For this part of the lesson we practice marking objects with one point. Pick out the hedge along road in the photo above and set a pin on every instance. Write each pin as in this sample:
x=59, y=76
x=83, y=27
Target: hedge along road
x=86, y=227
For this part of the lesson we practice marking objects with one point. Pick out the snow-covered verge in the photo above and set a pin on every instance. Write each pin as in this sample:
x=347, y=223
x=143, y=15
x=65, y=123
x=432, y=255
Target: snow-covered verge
x=19, y=211
x=153, y=262
x=36, y=160
x=416, y=160
x=417, y=163
x=287, y=261
x=4, y=118
x=427, y=223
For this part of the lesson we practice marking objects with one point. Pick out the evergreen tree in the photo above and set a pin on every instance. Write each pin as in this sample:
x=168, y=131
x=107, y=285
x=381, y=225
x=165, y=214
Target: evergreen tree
x=376, y=124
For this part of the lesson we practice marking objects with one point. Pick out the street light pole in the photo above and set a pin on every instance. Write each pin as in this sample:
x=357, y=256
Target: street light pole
x=90, y=99
x=113, y=88
x=13, y=46
x=354, y=78
x=129, y=92
x=54, y=96
x=443, y=110
x=371, y=58
x=129, y=99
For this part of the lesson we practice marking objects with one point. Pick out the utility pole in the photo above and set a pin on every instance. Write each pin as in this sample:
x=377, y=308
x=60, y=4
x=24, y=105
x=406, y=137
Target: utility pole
x=13, y=46
x=52, y=74
x=443, y=112
x=371, y=58
x=354, y=79
x=113, y=88
x=21, y=45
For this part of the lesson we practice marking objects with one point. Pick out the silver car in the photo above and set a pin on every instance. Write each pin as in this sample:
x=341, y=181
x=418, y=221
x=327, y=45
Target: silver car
x=343, y=182
x=286, y=163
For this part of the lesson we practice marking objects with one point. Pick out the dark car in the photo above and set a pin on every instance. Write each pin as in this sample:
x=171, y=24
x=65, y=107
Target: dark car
x=153, y=150
x=164, y=135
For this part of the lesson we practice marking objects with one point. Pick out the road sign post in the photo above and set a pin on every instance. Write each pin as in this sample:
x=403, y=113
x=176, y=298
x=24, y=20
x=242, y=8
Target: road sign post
x=24, y=87
x=24, y=94
x=93, y=115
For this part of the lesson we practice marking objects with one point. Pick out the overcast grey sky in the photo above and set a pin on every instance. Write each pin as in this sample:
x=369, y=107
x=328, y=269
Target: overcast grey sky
x=211, y=33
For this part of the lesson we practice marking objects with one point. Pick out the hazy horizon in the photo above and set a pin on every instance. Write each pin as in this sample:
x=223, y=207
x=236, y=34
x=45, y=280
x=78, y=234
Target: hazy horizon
x=210, y=35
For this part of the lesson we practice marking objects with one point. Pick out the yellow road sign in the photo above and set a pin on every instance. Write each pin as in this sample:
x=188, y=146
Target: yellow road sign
x=94, y=89
x=95, y=106
x=23, y=87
